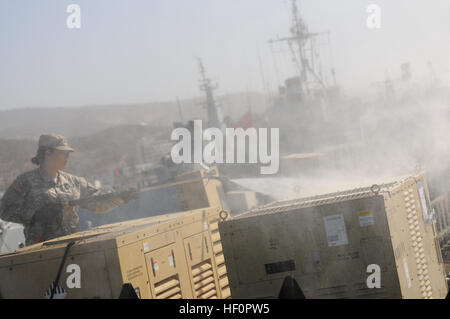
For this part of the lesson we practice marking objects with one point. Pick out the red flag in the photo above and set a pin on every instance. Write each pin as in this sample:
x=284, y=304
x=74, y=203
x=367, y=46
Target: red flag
x=245, y=122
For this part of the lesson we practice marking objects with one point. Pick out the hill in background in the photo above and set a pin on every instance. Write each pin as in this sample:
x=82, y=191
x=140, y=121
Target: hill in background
x=104, y=136
x=86, y=120
x=97, y=154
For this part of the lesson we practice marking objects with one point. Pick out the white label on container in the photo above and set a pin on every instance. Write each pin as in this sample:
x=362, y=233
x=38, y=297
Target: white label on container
x=145, y=246
x=366, y=218
x=205, y=225
x=423, y=203
x=155, y=266
x=408, y=278
x=335, y=230
x=171, y=263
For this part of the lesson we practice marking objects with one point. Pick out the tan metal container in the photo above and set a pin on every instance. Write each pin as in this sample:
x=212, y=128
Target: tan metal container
x=171, y=256
x=206, y=191
x=327, y=242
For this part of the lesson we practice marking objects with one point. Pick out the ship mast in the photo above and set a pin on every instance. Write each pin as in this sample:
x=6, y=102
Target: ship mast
x=214, y=116
x=300, y=42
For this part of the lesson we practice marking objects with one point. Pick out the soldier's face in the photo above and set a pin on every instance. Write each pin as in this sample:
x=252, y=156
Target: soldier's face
x=58, y=159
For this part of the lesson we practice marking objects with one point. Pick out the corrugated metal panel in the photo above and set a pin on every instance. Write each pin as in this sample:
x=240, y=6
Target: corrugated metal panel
x=341, y=196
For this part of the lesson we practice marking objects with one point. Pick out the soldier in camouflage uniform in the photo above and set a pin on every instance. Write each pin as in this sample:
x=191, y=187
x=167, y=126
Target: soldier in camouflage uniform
x=38, y=199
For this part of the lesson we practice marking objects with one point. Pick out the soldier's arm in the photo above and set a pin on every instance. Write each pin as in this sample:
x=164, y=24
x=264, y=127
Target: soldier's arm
x=16, y=205
x=101, y=205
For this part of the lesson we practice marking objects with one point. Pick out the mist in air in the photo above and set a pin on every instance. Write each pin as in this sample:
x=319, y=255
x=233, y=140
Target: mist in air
x=375, y=119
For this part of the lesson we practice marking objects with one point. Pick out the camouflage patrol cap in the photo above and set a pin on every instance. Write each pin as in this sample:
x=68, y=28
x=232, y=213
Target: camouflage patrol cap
x=57, y=142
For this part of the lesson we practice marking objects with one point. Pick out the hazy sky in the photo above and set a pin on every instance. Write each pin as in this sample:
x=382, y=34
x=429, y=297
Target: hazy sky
x=144, y=50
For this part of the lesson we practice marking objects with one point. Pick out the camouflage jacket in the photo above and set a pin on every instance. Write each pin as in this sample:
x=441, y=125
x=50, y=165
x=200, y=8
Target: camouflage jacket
x=35, y=200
